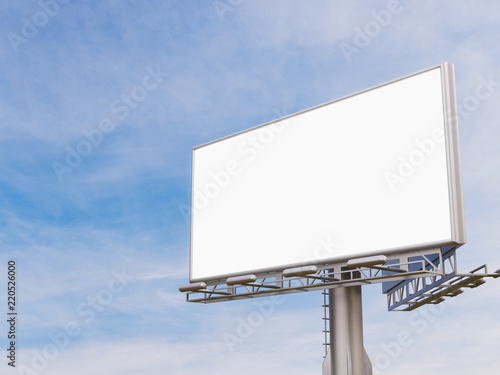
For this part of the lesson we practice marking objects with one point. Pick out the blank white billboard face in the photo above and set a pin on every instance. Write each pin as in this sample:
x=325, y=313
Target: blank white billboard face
x=377, y=172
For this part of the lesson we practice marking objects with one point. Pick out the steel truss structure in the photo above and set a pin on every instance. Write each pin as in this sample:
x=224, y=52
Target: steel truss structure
x=433, y=289
x=410, y=280
x=417, y=278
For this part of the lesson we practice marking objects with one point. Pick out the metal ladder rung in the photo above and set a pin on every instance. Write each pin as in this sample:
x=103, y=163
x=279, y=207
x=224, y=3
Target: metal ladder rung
x=326, y=319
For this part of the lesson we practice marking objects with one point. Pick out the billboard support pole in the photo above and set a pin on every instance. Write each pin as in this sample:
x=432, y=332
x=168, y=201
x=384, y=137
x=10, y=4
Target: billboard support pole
x=347, y=353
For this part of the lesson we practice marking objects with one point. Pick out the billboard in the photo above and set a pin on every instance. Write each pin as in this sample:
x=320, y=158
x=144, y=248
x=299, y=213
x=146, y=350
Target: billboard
x=376, y=172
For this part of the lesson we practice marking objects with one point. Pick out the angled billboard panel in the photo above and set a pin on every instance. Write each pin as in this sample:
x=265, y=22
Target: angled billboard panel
x=377, y=172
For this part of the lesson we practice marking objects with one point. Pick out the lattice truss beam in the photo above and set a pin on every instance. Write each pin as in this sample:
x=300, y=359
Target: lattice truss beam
x=433, y=289
x=413, y=279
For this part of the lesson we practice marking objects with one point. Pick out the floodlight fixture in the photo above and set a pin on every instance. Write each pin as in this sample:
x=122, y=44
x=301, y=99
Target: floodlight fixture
x=438, y=300
x=498, y=271
x=477, y=283
x=454, y=293
x=193, y=287
x=300, y=271
x=377, y=260
x=241, y=280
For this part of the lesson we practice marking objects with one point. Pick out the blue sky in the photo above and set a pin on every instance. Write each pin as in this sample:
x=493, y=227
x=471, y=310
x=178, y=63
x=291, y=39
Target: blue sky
x=100, y=239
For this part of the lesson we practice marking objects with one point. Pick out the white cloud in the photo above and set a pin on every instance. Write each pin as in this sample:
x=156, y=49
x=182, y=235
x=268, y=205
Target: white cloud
x=196, y=352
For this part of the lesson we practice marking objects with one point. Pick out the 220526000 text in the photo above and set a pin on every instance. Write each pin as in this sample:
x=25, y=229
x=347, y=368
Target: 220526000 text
x=11, y=312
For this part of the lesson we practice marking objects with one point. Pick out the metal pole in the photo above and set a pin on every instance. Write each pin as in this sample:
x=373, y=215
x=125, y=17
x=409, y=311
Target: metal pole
x=347, y=353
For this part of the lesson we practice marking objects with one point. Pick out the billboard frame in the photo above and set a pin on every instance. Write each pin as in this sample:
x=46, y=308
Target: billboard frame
x=454, y=180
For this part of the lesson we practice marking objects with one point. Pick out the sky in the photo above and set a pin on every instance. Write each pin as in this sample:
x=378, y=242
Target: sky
x=101, y=104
